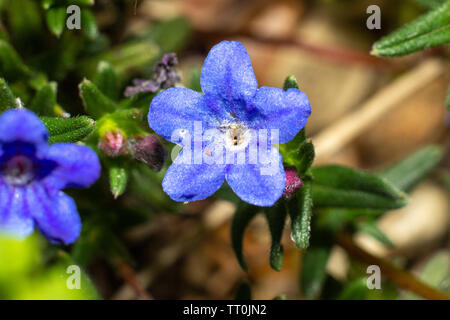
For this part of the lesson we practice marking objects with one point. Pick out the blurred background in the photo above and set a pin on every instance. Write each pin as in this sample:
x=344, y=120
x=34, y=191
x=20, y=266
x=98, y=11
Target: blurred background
x=143, y=245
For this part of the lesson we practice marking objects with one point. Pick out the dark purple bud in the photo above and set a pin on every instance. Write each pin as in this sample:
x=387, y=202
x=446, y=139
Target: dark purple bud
x=293, y=182
x=164, y=77
x=113, y=144
x=148, y=149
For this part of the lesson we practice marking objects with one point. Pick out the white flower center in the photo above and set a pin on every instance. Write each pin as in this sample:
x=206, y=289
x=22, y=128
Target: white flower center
x=236, y=136
x=18, y=171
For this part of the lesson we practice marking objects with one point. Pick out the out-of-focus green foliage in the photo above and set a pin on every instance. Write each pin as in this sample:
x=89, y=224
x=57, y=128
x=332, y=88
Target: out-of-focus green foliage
x=25, y=275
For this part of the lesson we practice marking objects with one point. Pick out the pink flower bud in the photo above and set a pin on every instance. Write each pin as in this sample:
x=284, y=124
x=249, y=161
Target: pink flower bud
x=113, y=144
x=148, y=149
x=293, y=182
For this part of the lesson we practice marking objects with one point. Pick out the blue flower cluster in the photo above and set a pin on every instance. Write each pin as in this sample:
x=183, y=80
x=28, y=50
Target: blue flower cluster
x=32, y=175
x=231, y=113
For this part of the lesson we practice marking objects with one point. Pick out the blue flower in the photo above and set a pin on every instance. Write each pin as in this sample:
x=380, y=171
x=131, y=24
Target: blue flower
x=235, y=118
x=32, y=175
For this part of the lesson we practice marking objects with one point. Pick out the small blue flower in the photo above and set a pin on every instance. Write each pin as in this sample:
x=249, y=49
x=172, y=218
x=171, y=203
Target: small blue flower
x=32, y=175
x=232, y=114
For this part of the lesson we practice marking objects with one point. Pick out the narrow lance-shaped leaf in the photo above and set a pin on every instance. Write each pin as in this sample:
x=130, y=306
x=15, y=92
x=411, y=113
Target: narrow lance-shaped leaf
x=56, y=20
x=410, y=171
x=242, y=217
x=276, y=218
x=45, y=100
x=106, y=80
x=95, y=102
x=7, y=99
x=11, y=65
x=68, y=129
x=300, y=211
x=429, y=30
x=243, y=291
x=342, y=187
x=370, y=228
x=313, y=270
x=118, y=178
x=89, y=24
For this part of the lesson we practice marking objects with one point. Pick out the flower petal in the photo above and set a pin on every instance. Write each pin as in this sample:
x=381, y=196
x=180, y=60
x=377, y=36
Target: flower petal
x=260, y=184
x=188, y=181
x=14, y=212
x=286, y=111
x=228, y=74
x=178, y=109
x=55, y=216
x=77, y=166
x=22, y=125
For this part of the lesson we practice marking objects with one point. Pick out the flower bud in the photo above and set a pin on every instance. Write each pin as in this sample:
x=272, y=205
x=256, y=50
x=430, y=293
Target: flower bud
x=293, y=182
x=148, y=149
x=113, y=144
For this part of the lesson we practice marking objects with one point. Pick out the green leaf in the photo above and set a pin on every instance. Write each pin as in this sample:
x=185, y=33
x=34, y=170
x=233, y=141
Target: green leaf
x=242, y=217
x=53, y=284
x=430, y=3
x=355, y=290
x=194, y=80
x=45, y=100
x=313, y=271
x=25, y=20
x=409, y=172
x=11, y=65
x=118, y=178
x=106, y=80
x=300, y=211
x=371, y=228
x=436, y=273
x=290, y=82
x=298, y=152
x=88, y=24
x=429, y=30
x=7, y=99
x=342, y=187
x=95, y=102
x=243, y=291
x=56, y=20
x=276, y=217
x=68, y=129
x=170, y=35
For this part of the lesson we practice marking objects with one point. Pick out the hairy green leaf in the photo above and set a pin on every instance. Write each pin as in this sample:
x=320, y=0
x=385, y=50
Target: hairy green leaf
x=68, y=129
x=45, y=100
x=290, y=82
x=56, y=20
x=371, y=228
x=300, y=211
x=11, y=65
x=118, y=178
x=242, y=217
x=342, y=187
x=410, y=171
x=313, y=270
x=95, y=102
x=106, y=80
x=7, y=99
x=88, y=24
x=243, y=291
x=276, y=218
x=429, y=30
